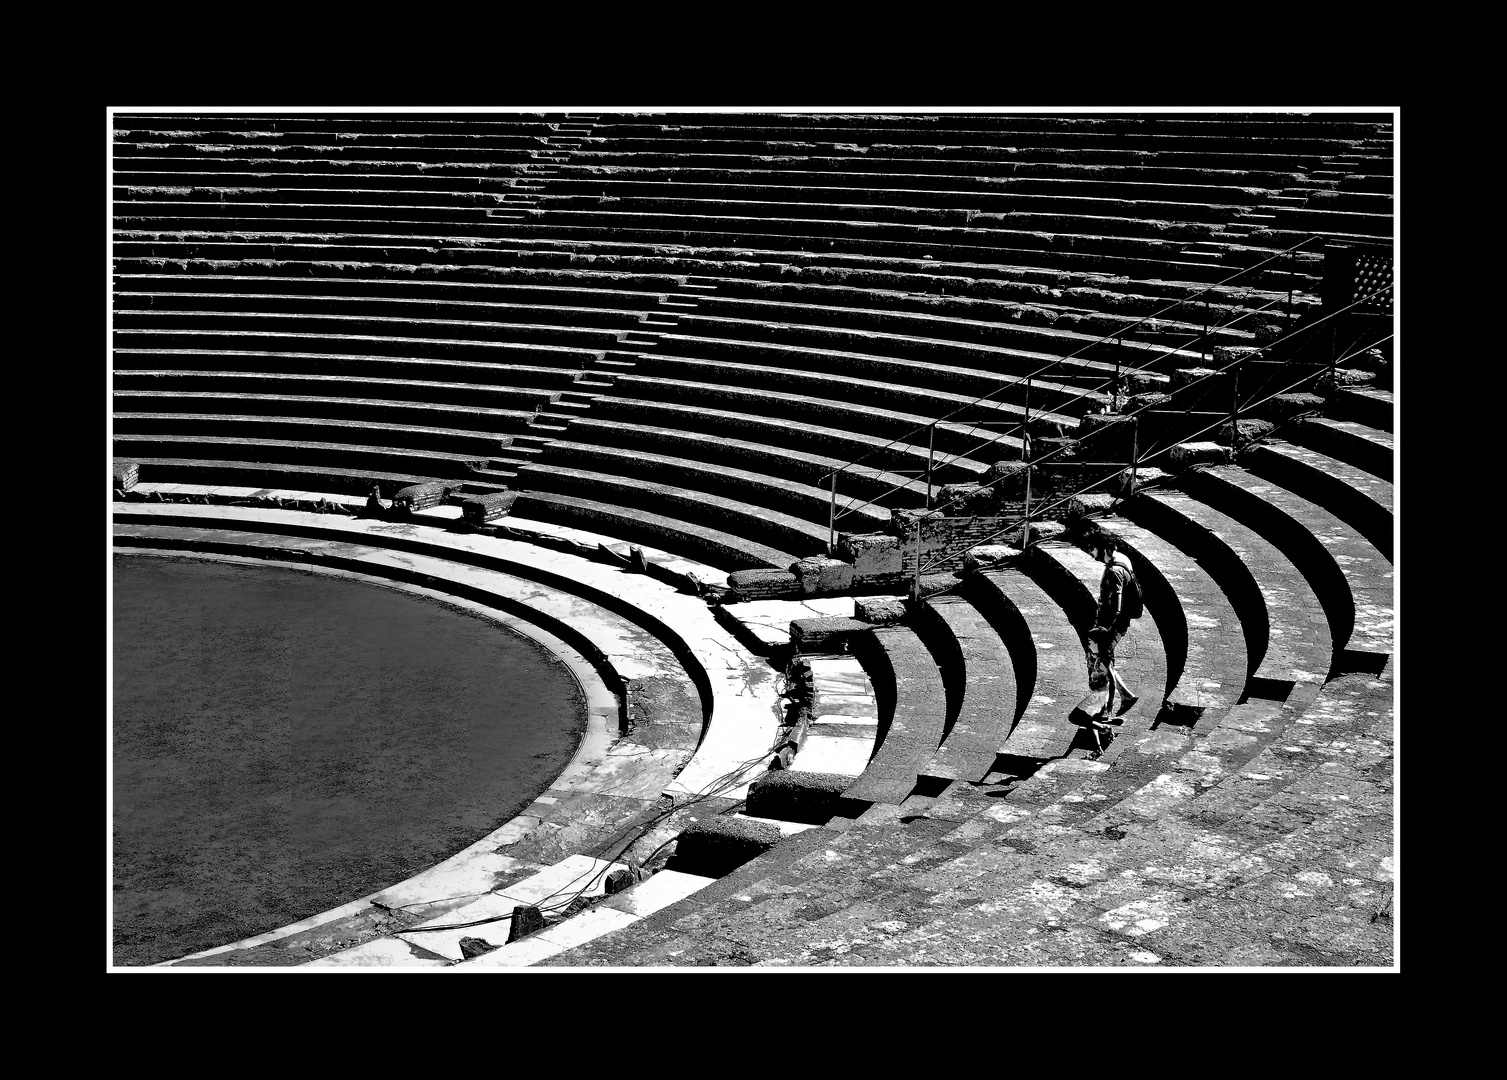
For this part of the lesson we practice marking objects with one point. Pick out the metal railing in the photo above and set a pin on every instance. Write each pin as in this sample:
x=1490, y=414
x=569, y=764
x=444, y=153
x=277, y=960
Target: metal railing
x=1113, y=383
x=1138, y=458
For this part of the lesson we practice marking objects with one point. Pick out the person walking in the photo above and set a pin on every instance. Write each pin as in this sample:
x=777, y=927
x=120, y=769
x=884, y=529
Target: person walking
x=1119, y=606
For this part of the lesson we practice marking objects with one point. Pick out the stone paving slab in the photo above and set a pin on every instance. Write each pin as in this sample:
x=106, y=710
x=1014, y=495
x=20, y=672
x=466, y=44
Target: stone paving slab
x=578, y=874
x=841, y=756
x=769, y=620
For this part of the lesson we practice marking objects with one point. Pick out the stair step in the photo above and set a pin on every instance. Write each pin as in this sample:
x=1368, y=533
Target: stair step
x=542, y=426
x=636, y=344
x=593, y=384
x=688, y=305
x=612, y=361
x=578, y=406
x=1287, y=200
x=698, y=286
x=668, y=324
x=500, y=476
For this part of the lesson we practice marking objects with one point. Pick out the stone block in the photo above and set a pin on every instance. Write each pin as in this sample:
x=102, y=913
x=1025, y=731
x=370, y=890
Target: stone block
x=880, y=611
x=1007, y=480
x=807, y=797
x=1243, y=432
x=1186, y=455
x=1152, y=400
x=1089, y=504
x=1331, y=382
x=1286, y=406
x=1141, y=382
x=1106, y=436
x=1224, y=355
x=526, y=920
x=829, y=634
x=1188, y=376
x=870, y=553
x=719, y=845
x=420, y=496
x=126, y=474
x=959, y=499
x=478, y=509
x=820, y=575
x=764, y=584
x=989, y=557
x=903, y=522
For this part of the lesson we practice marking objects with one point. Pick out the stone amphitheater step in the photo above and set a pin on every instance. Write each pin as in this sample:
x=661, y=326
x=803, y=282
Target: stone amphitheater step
x=981, y=682
x=422, y=317
x=453, y=393
x=504, y=422
x=1353, y=580
x=914, y=397
x=504, y=364
x=1364, y=405
x=1364, y=447
x=1070, y=387
x=913, y=711
x=316, y=430
x=621, y=911
x=327, y=332
x=800, y=500
x=741, y=518
x=718, y=547
x=952, y=438
x=771, y=460
x=1207, y=661
x=259, y=477
x=758, y=428
x=1051, y=674
x=1356, y=496
x=1286, y=631
x=1346, y=733
x=325, y=455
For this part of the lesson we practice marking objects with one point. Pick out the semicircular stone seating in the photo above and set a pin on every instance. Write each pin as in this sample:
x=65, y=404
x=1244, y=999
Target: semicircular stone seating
x=686, y=345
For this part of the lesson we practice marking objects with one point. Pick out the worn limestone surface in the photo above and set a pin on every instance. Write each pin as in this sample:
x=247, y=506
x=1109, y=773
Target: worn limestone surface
x=1299, y=875
x=616, y=784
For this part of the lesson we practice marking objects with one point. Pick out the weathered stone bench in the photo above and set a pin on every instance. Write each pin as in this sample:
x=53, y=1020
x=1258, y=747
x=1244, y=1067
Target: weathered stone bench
x=164, y=382
x=982, y=689
x=761, y=489
x=1286, y=632
x=759, y=524
x=352, y=455
x=1352, y=579
x=952, y=438
x=1051, y=671
x=1364, y=447
x=837, y=445
x=315, y=430
x=1208, y=664
x=856, y=481
x=1358, y=497
x=384, y=411
x=448, y=336
x=913, y=712
x=716, y=547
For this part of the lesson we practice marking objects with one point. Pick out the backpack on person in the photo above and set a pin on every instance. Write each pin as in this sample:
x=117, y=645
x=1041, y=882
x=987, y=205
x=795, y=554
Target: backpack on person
x=1131, y=604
